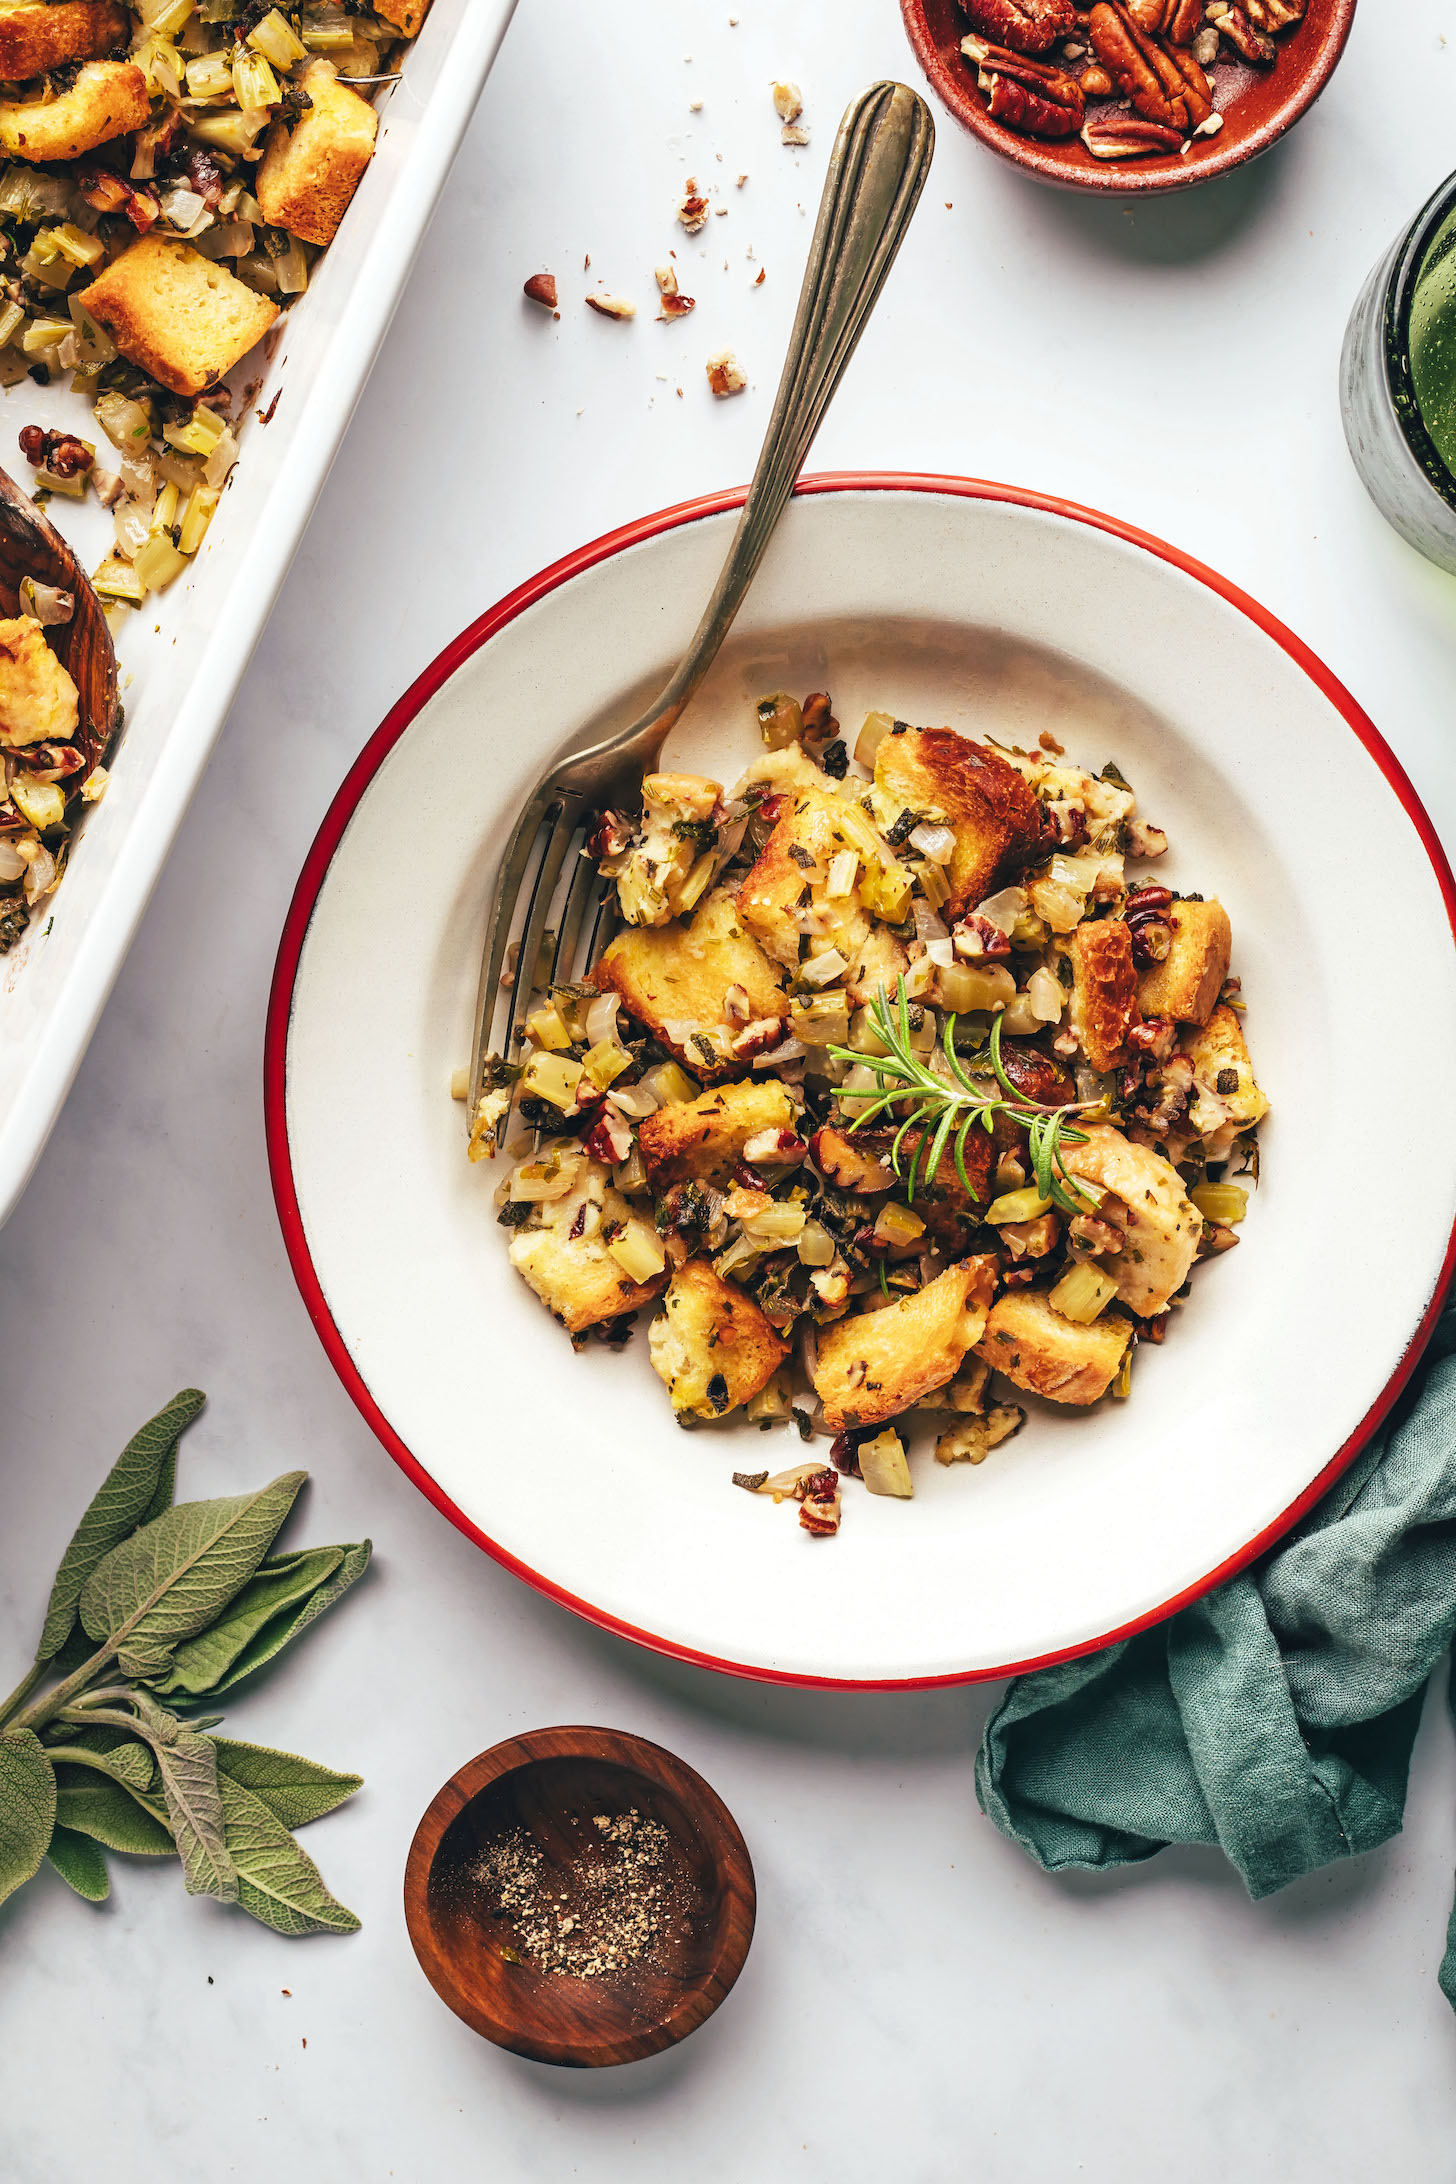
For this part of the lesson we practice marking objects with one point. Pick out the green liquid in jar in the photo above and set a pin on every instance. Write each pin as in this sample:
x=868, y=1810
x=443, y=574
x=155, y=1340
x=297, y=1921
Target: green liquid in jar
x=1433, y=342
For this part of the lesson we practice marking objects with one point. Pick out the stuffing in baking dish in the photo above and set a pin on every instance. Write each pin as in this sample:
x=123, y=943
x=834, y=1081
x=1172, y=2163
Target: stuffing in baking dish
x=895, y=1093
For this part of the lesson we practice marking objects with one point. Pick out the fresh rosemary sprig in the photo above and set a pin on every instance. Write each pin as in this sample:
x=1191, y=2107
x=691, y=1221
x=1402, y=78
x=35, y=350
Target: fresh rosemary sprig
x=946, y=1113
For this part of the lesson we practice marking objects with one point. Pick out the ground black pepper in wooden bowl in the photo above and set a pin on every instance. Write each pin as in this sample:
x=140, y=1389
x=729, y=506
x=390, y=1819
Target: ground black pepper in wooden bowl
x=580, y=1896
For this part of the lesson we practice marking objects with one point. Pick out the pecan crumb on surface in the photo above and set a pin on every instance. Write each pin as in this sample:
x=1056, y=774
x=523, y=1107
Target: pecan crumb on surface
x=791, y=133
x=618, y=307
x=693, y=209
x=788, y=104
x=725, y=376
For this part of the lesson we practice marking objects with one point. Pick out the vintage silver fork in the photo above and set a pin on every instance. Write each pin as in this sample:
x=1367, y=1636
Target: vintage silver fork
x=876, y=172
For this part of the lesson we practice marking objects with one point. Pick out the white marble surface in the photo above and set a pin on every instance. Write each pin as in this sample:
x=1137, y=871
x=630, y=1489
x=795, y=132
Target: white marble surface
x=920, y=2002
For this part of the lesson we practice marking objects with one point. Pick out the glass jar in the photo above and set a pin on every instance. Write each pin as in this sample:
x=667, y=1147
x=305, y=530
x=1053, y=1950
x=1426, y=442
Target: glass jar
x=1398, y=381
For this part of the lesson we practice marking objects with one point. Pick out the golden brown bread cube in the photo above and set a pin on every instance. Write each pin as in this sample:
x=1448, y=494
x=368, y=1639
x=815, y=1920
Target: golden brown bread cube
x=1223, y=1076
x=878, y=961
x=678, y=974
x=405, y=15
x=789, y=877
x=38, y=38
x=576, y=1277
x=669, y=869
x=996, y=818
x=711, y=1346
x=38, y=700
x=108, y=99
x=1051, y=1356
x=1146, y=1200
x=1104, y=990
x=702, y=1140
x=177, y=314
x=877, y=1364
x=1188, y=981
x=311, y=171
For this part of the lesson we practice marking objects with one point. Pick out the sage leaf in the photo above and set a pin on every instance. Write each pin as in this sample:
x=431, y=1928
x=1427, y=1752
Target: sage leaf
x=295, y=1790
x=187, y=1765
x=130, y=1764
x=170, y=1579
x=80, y=1864
x=278, y=1592
x=27, y=1808
x=89, y=1804
x=277, y=1881
x=135, y=1490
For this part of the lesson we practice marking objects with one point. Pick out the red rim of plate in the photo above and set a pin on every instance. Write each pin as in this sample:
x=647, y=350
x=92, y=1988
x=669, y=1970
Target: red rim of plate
x=320, y=856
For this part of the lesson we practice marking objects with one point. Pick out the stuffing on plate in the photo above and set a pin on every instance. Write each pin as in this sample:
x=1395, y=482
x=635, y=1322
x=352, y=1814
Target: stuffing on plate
x=895, y=1092
x=171, y=169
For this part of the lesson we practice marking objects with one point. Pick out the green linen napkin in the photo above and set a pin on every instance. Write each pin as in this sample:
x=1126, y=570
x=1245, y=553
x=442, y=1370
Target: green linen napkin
x=1274, y=1717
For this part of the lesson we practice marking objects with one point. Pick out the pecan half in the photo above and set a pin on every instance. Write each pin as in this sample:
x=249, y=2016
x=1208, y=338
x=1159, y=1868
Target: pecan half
x=1025, y=94
x=1128, y=136
x=1273, y=14
x=1024, y=26
x=1249, y=43
x=1127, y=54
x=1175, y=19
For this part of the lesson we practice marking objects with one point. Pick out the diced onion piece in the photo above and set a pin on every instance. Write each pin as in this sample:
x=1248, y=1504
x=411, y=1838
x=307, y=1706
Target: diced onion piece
x=883, y=1466
x=777, y=1224
x=46, y=603
x=12, y=864
x=41, y=874
x=1003, y=909
x=41, y=802
x=933, y=841
x=896, y=1228
x=927, y=925
x=816, y=1246
x=817, y=1020
x=601, y=1018
x=460, y=1084
x=639, y=1251
x=133, y=527
x=822, y=970
x=877, y=726
x=631, y=1175
x=1082, y=1293
x=842, y=876
x=635, y=1100
x=1044, y=992
x=1027, y=1205
x=771, y=1401
x=541, y=1182
x=787, y=1050
x=941, y=953
x=127, y=424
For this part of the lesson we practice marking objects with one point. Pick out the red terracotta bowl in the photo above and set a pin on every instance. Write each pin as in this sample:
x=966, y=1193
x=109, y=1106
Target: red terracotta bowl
x=1257, y=104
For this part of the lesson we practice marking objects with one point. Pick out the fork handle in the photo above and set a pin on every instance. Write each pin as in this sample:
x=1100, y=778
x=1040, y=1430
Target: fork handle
x=876, y=172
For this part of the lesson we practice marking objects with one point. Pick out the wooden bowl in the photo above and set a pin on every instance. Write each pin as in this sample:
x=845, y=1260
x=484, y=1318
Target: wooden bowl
x=552, y=1786
x=29, y=546
x=1257, y=104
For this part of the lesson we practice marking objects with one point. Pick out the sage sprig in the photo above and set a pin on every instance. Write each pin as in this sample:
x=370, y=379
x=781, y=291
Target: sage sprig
x=944, y=1109
x=157, y=1608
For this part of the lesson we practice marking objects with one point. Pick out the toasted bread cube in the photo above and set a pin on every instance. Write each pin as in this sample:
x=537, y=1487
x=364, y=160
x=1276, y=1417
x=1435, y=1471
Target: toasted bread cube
x=108, y=99
x=576, y=1277
x=1144, y=1198
x=995, y=816
x=702, y=1140
x=878, y=961
x=711, y=1346
x=310, y=172
x=39, y=702
x=1051, y=1356
x=1104, y=990
x=671, y=865
x=1188, y=981
x=789, y=877
x=38, y=38
x=182, y=318
x=1223, y=1076
x=878, y=1364
x=406, y=16
x=675, y=974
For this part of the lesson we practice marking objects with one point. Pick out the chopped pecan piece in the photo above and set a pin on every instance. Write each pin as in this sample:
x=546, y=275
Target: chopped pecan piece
x=59, y=453
x=1095, y=82
x=1025, y=94
x=1127, y=136
x=819, y=1508
x=1023, y=26
x=1248, y=43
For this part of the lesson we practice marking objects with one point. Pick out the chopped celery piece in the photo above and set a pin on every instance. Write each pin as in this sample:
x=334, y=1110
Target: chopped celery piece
x=638, y=1251
x=12, y=318
x=199, y=515
x=552, y=1077
x=605, y=1062
x=1081, y=1294
x=820, y=1019
x=234, y=132
x=43, y=334
x=164, y=513
x=254, y=83
x=74, y=243
x=209, y=77
x=547, y=1029
x=1027, y=1205
x=897, y=1228
x=274, y=39
x=1224, y=1203
x=115, y=580
x=159, y=564
x=200, y=435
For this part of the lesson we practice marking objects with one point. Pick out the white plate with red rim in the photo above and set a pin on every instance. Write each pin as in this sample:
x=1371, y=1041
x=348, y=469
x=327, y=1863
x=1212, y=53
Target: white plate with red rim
x=944, y=601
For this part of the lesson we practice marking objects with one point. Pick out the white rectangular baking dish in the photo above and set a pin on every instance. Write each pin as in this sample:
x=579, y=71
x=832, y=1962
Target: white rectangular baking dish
x=179, y=682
